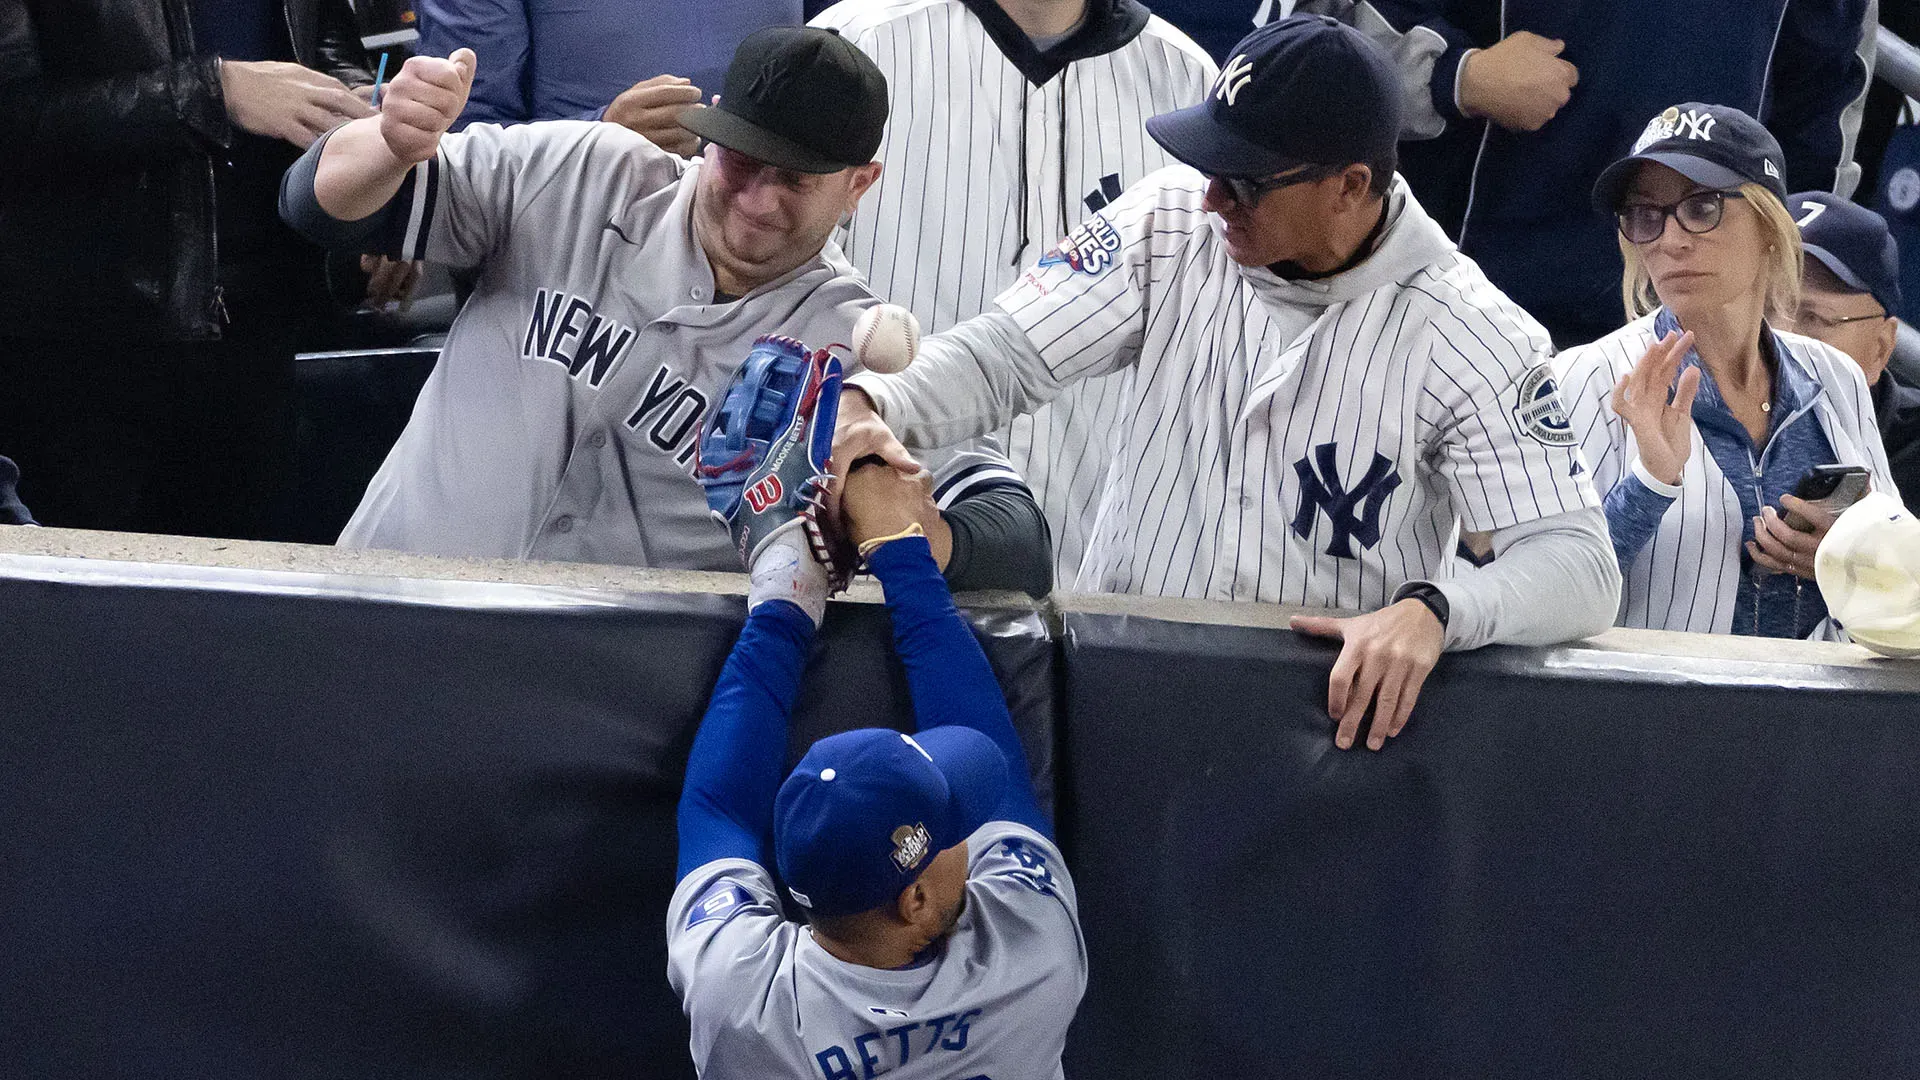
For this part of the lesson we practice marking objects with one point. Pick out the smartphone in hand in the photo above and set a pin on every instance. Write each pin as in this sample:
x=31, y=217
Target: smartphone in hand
x=1834, y=487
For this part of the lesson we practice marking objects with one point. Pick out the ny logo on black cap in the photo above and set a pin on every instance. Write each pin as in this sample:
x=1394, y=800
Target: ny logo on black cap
x=775, y=73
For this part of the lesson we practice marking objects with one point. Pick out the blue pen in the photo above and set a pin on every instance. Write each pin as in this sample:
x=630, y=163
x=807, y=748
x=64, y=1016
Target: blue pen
x=378, y=78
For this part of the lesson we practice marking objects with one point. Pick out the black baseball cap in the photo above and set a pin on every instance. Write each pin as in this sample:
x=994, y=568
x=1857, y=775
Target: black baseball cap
x=1306, y=90
x=800, y=98
x=1852, y=241
x=1712, y=145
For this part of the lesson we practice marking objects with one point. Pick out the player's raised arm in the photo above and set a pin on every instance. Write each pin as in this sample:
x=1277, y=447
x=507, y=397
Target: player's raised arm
x=947, y=673
x=734, y=771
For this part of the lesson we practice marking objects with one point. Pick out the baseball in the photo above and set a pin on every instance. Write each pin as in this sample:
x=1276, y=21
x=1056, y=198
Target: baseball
x=886, y=339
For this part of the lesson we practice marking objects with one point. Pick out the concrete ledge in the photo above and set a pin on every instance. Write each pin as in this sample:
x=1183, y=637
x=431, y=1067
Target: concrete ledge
x=312, y=559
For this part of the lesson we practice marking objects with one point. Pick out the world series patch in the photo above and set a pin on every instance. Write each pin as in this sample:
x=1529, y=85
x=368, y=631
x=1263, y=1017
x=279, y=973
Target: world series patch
x=1089, y=249
x=1539, y=410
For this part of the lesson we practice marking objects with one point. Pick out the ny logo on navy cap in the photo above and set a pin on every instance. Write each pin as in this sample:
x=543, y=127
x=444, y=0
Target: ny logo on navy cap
x=1233, y=79
x=1305, y=90
x=1713, y=145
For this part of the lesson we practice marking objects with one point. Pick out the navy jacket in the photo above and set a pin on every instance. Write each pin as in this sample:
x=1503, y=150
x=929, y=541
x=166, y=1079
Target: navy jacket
x=1518, y=202
x=1217, y=25
x=1897, y=406
x=568, y=59
x=12, y=511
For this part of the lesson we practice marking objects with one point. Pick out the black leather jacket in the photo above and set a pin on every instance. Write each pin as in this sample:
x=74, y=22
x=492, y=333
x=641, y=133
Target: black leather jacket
x=110, y=122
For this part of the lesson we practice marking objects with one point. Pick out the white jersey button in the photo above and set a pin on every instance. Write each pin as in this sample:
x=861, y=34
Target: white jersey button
x=563, y=523
x=597, y=440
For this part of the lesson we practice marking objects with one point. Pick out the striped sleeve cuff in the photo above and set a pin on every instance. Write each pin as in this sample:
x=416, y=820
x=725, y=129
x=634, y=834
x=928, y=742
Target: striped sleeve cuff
x=414, y=204
x=974, y=479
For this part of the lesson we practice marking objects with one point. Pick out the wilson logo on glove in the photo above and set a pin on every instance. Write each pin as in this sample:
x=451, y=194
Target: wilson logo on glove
x=764, y=494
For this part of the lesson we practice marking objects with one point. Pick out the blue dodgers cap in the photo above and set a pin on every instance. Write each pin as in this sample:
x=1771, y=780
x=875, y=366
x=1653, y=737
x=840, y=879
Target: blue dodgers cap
x=1712, y=145
x=1852, y=241
x=1306, y=90
x=865, y=812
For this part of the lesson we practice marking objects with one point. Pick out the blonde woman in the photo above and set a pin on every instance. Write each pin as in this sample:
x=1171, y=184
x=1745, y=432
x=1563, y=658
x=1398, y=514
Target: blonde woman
x=1699, y=418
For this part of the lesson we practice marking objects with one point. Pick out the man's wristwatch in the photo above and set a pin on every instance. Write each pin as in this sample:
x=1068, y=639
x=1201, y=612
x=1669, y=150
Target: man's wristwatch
x=1429, y=594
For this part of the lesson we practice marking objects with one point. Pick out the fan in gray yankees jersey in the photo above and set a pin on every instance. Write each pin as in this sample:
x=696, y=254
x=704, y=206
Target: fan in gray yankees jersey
x=619, y=287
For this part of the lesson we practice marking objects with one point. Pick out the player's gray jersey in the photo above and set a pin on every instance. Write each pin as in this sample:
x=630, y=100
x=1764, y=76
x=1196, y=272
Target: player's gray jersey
x=563, y=419
x=984, y=170
x=1305, y=442
x=992, y=1003
x=1686, y=576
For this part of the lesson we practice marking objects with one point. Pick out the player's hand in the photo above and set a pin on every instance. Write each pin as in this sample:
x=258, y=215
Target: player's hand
x=879, y=501
x=1384, y=662
x=652, y=109
x=389, y=281
x=286, y=101
x=1520, y=83
x=1661, y=419
x=860, y=433
x=1784, y=549
x=423, y=101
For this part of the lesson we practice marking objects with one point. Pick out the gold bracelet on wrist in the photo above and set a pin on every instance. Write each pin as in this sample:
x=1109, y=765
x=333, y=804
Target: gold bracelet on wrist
x=868, y=547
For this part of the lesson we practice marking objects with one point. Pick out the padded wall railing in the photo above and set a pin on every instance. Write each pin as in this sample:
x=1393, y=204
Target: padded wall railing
x=344, y=822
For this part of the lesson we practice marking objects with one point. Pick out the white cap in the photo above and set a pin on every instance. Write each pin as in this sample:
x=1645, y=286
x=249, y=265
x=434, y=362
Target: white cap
x=1868, y=568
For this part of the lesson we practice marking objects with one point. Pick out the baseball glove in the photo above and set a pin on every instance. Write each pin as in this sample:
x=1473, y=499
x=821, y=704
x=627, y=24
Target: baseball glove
x=765, y=453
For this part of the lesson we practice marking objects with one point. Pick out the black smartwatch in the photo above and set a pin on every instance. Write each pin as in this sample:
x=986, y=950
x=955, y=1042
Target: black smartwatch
x=1429, y=594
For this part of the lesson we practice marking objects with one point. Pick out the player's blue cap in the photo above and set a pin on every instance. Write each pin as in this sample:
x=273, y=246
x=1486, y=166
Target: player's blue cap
x=865, y=812
x=1305, y=90
x=1715, y=146
x=1852, y=241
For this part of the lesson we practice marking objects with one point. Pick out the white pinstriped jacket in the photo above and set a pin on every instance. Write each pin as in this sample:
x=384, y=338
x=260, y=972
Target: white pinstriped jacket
x=1685, y=577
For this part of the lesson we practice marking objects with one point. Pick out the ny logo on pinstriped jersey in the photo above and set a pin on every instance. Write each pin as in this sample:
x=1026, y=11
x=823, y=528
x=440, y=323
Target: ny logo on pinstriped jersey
x=1322, y=490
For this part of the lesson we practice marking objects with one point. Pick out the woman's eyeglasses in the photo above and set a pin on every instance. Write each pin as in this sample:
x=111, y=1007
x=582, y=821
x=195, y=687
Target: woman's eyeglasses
x=1642, y=223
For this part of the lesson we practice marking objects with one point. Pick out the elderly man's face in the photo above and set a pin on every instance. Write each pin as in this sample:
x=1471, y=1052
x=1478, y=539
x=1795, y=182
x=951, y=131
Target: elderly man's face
x=758, y=222
x=1852, y=322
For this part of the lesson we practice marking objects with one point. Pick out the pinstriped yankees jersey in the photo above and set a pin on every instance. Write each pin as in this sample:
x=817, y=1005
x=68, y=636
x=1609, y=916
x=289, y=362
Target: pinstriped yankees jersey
x=1306, y=442
x=562, y=420
x=991, y=154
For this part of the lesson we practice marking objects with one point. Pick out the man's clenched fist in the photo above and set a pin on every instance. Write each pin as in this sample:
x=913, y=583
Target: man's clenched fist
x=1520, y=83
x=423, y=101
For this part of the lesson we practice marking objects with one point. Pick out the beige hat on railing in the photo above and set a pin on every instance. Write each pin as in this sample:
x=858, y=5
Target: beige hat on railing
x=1869, y=572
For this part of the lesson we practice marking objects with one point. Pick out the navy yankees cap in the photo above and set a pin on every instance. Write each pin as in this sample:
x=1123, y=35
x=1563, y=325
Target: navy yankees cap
x=1306, y=90
x=865, y=812
x=800, y=98
x=1852, y=241
x=1712, y=145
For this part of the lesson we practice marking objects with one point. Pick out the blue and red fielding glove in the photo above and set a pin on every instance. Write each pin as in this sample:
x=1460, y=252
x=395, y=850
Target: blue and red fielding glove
x=766, y=453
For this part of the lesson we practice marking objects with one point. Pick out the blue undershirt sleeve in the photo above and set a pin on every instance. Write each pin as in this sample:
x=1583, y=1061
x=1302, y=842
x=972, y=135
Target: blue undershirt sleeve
x=739, y=753
x=948, y=675
x=1634, y=511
